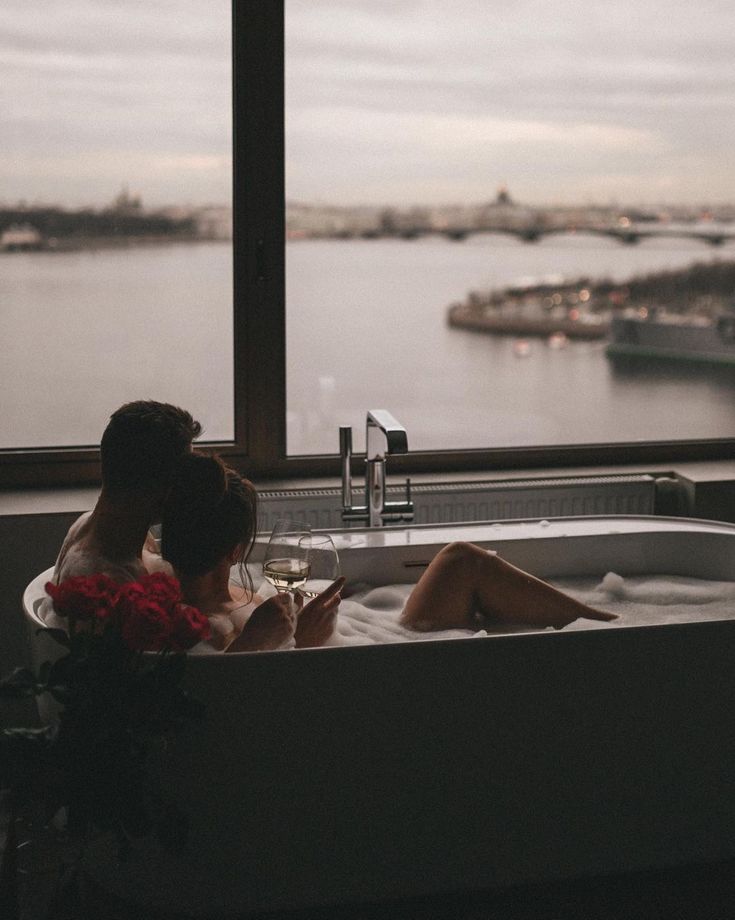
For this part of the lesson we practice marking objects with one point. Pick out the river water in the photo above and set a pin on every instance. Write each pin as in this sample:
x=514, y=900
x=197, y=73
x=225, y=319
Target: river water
x=367, y=329
x=83, y=332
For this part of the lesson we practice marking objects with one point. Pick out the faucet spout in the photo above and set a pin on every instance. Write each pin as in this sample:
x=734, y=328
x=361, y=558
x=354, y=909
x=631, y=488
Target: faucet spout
x=384, y=435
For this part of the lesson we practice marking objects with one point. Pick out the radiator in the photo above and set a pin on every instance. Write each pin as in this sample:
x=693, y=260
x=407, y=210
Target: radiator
x=445, y=503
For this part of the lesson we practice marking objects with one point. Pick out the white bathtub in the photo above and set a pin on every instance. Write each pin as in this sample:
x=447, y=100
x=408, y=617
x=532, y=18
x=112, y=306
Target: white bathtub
x=329, y=776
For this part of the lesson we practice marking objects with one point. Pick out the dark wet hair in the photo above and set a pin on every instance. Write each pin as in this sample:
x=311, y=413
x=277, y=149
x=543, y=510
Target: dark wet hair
x=210, y=510
x=142, y=444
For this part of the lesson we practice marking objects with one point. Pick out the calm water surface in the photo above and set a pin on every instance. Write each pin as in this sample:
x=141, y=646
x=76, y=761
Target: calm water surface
x=367, y=329
x=83, y=332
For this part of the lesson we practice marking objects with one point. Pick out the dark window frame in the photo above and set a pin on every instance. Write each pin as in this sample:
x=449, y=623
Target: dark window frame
x=259, y=446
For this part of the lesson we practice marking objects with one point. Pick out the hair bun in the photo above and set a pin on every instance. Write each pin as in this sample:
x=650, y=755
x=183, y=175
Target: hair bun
x=200, y=483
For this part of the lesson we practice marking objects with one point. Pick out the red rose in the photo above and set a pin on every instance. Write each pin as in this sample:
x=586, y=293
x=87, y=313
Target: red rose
x=84, y=597
x=188, y=626
x=131, y=591
x=148, y=612
x=164, y=588
x=145, y=625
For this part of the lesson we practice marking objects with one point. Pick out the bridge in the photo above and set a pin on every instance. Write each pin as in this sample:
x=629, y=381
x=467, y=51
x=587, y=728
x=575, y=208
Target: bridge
x=628, y=233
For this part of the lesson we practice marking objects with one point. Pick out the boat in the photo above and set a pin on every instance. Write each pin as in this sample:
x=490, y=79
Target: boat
x=657, y=334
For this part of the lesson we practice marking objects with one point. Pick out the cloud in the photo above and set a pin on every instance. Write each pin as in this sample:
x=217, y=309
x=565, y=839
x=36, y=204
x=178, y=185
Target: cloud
x=91, y=86
x=377, y=92
x=465, y=156
x=451, y=133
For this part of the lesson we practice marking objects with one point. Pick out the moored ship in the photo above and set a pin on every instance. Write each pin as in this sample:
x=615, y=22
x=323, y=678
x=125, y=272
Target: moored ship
x=674, y=336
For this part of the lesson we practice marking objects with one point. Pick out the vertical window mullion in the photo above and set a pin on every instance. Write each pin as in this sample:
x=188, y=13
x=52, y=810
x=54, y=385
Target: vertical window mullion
x=259, y=229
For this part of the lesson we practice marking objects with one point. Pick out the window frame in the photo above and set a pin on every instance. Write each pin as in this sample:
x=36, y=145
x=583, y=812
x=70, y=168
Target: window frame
x=259, y=314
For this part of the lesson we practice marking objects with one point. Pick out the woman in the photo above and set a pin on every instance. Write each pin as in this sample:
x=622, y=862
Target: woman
x=208, y=525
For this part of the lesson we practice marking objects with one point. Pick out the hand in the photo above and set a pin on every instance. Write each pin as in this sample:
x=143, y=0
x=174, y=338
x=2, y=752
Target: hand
x=151, y=557
x=271, y=625
x=317, y=619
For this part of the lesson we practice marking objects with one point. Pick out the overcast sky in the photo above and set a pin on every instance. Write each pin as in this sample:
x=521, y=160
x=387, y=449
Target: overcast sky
x=423, y=101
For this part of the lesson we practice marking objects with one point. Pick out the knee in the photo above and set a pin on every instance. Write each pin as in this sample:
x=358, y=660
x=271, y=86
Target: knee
x=460, y=550
x=461, y=554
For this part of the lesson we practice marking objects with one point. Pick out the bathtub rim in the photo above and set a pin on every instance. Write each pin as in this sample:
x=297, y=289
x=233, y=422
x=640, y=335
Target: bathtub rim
x=582, y=525
x=507, y=531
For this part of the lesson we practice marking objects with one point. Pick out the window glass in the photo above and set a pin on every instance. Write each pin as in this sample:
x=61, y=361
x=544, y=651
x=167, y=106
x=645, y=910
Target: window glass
x=115, y=214
x=510, y=159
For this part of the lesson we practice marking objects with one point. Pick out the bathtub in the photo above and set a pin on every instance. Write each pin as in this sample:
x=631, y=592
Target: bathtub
x=335, y=776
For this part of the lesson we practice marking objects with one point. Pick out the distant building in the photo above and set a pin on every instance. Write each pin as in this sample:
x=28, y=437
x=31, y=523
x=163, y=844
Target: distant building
x=19, y=238
x=314, y=220
x=213, y=223
x=503, y=196
x=504, y=213
x=125, y=203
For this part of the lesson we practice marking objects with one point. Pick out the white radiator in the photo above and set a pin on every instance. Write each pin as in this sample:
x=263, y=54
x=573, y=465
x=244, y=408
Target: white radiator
x=445, y=503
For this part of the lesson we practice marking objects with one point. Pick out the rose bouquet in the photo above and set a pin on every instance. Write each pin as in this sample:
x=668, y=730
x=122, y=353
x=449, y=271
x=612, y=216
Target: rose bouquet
x=118, y=688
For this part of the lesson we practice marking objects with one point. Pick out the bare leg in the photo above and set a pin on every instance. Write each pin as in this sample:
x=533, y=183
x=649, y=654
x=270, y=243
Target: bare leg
x=464, y=580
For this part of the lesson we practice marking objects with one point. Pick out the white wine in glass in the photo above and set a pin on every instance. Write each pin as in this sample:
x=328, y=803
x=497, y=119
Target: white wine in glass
x=286, y=559
x=323, y=565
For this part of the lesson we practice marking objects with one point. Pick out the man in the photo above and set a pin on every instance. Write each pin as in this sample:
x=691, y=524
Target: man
x=139, y=451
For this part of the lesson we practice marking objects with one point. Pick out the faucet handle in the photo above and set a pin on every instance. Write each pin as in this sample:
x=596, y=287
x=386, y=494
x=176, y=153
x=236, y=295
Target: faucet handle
x=408, y=504
x=397, y=512
x=345, y=453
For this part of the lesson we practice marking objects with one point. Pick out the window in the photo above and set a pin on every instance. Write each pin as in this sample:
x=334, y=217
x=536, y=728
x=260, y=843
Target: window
x=523, y=162
x=115, y=216
x=419, y=150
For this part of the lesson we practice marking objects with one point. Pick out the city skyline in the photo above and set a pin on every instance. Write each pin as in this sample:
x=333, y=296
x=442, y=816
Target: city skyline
x=387, y=103
x=492, y=198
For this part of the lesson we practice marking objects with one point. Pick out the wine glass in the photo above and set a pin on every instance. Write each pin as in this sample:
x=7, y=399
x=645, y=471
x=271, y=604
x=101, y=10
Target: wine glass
x=323, y=565
x=286, y=559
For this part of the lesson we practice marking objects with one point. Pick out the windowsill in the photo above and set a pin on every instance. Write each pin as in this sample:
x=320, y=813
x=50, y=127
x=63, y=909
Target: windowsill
x=76, y=500
x=47, y=501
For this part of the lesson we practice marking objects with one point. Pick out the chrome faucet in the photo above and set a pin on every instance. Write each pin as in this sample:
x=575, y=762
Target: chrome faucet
x=383, y=436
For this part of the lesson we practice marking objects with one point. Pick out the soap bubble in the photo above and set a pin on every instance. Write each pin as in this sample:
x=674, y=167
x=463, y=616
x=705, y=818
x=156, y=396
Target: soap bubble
x=613, y=584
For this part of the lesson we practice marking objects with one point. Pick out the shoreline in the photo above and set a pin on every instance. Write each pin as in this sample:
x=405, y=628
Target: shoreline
x=91, y=244
x=463, y=317
x=581, y=308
